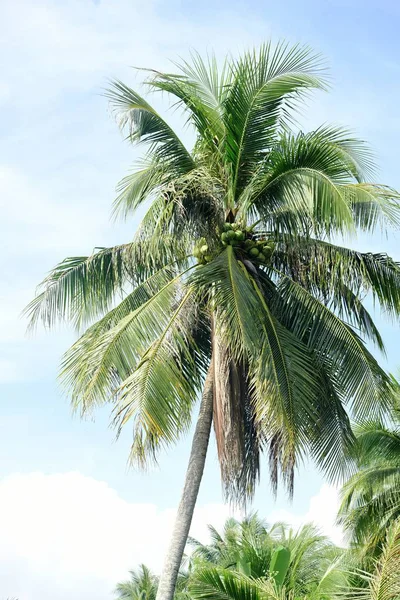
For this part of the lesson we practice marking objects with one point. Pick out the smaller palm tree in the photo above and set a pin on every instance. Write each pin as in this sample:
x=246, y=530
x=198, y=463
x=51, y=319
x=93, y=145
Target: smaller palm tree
x=298, y=560
x=371, y=497
x=142, y=585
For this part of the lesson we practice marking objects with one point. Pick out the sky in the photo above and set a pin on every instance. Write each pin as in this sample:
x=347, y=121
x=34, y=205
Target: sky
x=73, y=518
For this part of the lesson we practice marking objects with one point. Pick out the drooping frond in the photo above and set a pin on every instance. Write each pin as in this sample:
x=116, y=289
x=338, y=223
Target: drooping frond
x=307, y=175
x=356, y=154
x=318, y=176
x=362, y=381
x=160, y=393
x=146, y=126
x=145, y=182
x=328, y=271
x=373, y=205
x=281, y=371
x=283, y=379
x=109, y=350
x=232, y=297
x=80, y=289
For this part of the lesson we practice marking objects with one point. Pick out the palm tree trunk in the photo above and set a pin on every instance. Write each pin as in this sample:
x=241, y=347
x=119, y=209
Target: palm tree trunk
x=194, y=473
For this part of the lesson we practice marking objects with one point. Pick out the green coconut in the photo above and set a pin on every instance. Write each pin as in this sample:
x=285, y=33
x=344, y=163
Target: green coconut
x=267, y=251
x=224, y=237
x=239, y=235
x=254, y=252
x=231, y=235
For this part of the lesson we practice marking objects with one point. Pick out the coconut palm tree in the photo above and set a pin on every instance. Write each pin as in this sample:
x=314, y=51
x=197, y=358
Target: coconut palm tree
x=233, y=287
x=142, y=585
x=371, y=497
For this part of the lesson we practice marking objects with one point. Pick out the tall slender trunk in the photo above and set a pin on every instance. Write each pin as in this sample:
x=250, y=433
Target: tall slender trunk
x=194, y=473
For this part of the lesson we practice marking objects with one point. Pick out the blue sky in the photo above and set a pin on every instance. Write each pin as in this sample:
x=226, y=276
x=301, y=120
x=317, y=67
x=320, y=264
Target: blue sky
x=60, y=158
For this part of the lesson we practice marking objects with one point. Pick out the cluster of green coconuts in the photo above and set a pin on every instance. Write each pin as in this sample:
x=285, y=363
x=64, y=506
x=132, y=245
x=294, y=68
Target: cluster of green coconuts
x=244, y=242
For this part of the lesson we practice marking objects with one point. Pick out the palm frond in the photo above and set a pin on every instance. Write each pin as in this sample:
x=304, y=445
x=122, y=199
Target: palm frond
x=160, y=393
x=354, y=372
x=266, y=86
x=384, y=582
x=139, y=186
x=200, y=87
x=222, y=584
x=145, y=125
x=328, y=271
x=82, y=288
x=95, y=366
x=370, y=497
x=373, y=205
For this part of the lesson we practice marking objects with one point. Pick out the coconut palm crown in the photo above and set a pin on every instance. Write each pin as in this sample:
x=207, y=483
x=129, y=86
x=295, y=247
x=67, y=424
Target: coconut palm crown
x=234, y=271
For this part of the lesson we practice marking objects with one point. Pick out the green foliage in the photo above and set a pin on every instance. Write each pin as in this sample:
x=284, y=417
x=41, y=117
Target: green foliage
x=142, y=585
x=382, y=582
x=278, y=568
x=235, y=242
x=371, y=496
x=243, y=561
x=253, y=548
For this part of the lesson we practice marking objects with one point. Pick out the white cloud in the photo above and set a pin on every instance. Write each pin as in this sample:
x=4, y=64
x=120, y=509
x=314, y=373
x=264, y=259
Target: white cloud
x=69, y=536
x=322, y=512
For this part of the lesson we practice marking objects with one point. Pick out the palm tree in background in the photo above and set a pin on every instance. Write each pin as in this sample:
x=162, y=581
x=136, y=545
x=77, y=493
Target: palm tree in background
x=253, y=548
x=382, y=582
x=142, y=585
x=232, y=287
x=303, y=562
x=371, y=497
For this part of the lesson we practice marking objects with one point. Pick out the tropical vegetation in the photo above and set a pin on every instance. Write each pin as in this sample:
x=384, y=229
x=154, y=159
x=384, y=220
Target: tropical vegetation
x=235, y=287
x=250, y=561
x=371, y=496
